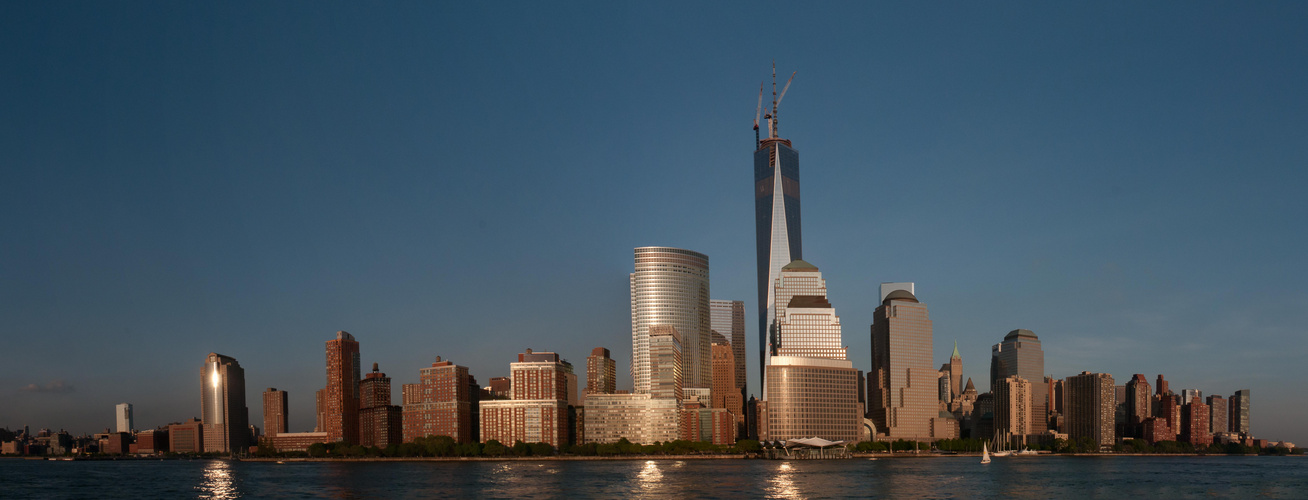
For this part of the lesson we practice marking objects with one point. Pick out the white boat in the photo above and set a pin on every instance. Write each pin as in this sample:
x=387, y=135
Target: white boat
x=985, y=454
x=1028, y=452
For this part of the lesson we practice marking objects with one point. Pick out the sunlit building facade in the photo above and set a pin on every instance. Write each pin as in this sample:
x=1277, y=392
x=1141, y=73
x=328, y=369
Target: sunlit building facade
x=538, y=410
x=275, y=418
x=638, y=417
x=728, y=319
x=601, y=372
x=670, y=286
x=1020, y=354
x=1091, y=406
x=223, y=414
x=440, y=404
x=1012, y=412
x=341, y=396
x=903, y=380
x=776, y=225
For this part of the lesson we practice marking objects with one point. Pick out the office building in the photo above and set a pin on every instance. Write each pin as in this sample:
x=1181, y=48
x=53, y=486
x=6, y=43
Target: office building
x=1138, y=399
x=380, y=422
x=1189, y=394
x=665, y=358
x=1217, y=414
x=222, y=408
x=538, y=411
x=440, y=404
x=728, y=319
x=1091, y=405
x=601, y=372
x=670, y=287
x=805, y=325
x=186, y=437
x=341, y=396
x=124, y=413
x=903, y=380
x=1020, y=354
x=1238, y=416
x=776, y=221
x=725, y=394
x=275, y=418
x=955, y=375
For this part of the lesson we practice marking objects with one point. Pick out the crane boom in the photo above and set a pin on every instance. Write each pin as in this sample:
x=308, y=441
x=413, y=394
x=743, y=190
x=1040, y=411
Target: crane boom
x=787, y=87
x=758, y=110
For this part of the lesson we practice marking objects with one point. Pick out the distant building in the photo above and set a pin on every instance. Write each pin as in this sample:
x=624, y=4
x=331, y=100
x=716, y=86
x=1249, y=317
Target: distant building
x=296, y=441
x=341, y=396
x=222, y=405
x=186, y=437
x=380, y=422
x=1012, y=415
x=903, y=381
x=1189, y=394
x=440, y=404
x=728, y=320
x=1194, y=423
x=538, y=411
x=712, y=425
x=1239, y=411
x=1021, y=354
x=124, y=414
x=501, y=387
x=1217, y=414
x=601, y=372
x=670, y=286
x=320, y=410
x=1156, y=429
x=725, y=394
x=1091, y=404
x=152, y=441
x=1138, y=402
x=638, y=417
x=665, y=362
x=275, y=418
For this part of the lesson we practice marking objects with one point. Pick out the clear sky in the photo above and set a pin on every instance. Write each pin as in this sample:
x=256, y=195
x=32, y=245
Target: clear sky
x=469, y=179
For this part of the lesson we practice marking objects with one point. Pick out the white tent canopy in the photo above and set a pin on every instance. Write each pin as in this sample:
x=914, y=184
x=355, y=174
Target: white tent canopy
x=813, y=442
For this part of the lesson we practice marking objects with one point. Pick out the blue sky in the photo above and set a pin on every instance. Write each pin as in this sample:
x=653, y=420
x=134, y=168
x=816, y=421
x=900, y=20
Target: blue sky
x=469, y=181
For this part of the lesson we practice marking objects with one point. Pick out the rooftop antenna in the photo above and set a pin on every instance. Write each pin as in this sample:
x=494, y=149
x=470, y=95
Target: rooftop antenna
x=758, y=110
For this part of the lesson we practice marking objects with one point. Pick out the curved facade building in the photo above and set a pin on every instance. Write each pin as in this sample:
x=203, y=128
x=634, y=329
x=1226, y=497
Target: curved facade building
x=671, y=287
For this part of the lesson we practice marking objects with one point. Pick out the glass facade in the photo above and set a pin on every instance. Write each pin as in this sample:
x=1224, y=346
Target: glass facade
x=222, y=408
x=776, y=224
x=904, y=382
x=670, y=286
x=812, y=397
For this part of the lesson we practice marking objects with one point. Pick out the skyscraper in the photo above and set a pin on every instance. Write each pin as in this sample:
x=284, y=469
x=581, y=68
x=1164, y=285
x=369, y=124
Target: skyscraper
x=274, y=412
x=341, y=399
x=665, y=358
x=1091, y=404
x=955, y=374
x=776, y=215
x=1138, y=403
x=810, y=388
x=380, y=422
x=1020, y=354
x=670, y=286
x=1012, y=415
x=601, y=372
x=440, y=404
x=1239, y=411
x=903, y=380
x=1217, y=415
x=725, y=393
x=728, y=319
x=224, y=417
x=125, y=422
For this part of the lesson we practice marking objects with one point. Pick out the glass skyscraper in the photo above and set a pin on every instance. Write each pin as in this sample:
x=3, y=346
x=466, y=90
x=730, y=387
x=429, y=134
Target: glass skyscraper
x=1020, y=354
x=777, y=225
x=670, y=286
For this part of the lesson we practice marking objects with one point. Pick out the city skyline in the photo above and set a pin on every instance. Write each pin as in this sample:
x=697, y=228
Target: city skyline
x=221, y=206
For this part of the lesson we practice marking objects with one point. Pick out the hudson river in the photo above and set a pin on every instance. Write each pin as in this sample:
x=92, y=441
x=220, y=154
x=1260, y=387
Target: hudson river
x=947, y=477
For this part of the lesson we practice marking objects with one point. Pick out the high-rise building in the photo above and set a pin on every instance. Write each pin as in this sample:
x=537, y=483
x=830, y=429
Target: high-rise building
x=1091, y=405
x=805, y=324
x=955, y=374
x=1238, y=416
x=224, y=417
x=440, y=404
x=776, y=219
x=810, y=388
x=1012, y=413
x=274, y=412
x=341, y=396
x=728, y=319
x=665, y=362
x=1194, y=423
x=124, y=413
x=1020, y=354
x=380, y=423
x=1217, y=414
x=1161, y=386
x=538, y=411
x=601, y=372
x=1138, y=401
x=725, y=393
x=670, y=286
x=1189, y=394
x=320, y=410
x=903, y=380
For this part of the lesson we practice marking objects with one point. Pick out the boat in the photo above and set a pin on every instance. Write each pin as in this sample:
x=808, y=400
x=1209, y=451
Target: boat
x=1027, y=452
x=1003, y=453
x=985, y=454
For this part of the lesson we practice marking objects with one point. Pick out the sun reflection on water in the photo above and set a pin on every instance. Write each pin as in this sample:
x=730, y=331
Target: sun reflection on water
x=218, y=483
x=650, y=477
x=782, y=484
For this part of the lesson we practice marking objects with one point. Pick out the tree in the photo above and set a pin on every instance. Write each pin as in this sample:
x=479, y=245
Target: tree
x=494, y=448
x=748, y=445
x=318, y=450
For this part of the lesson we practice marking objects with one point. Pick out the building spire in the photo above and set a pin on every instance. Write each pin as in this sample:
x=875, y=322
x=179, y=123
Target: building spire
x=955, y=355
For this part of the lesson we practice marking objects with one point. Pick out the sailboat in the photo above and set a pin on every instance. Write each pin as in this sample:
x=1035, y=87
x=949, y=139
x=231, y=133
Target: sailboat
x=1001, y=453
x=985, y=454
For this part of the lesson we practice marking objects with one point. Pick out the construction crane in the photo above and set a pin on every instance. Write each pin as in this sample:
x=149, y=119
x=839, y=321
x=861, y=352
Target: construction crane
x=758, y=110
x=776, y=117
